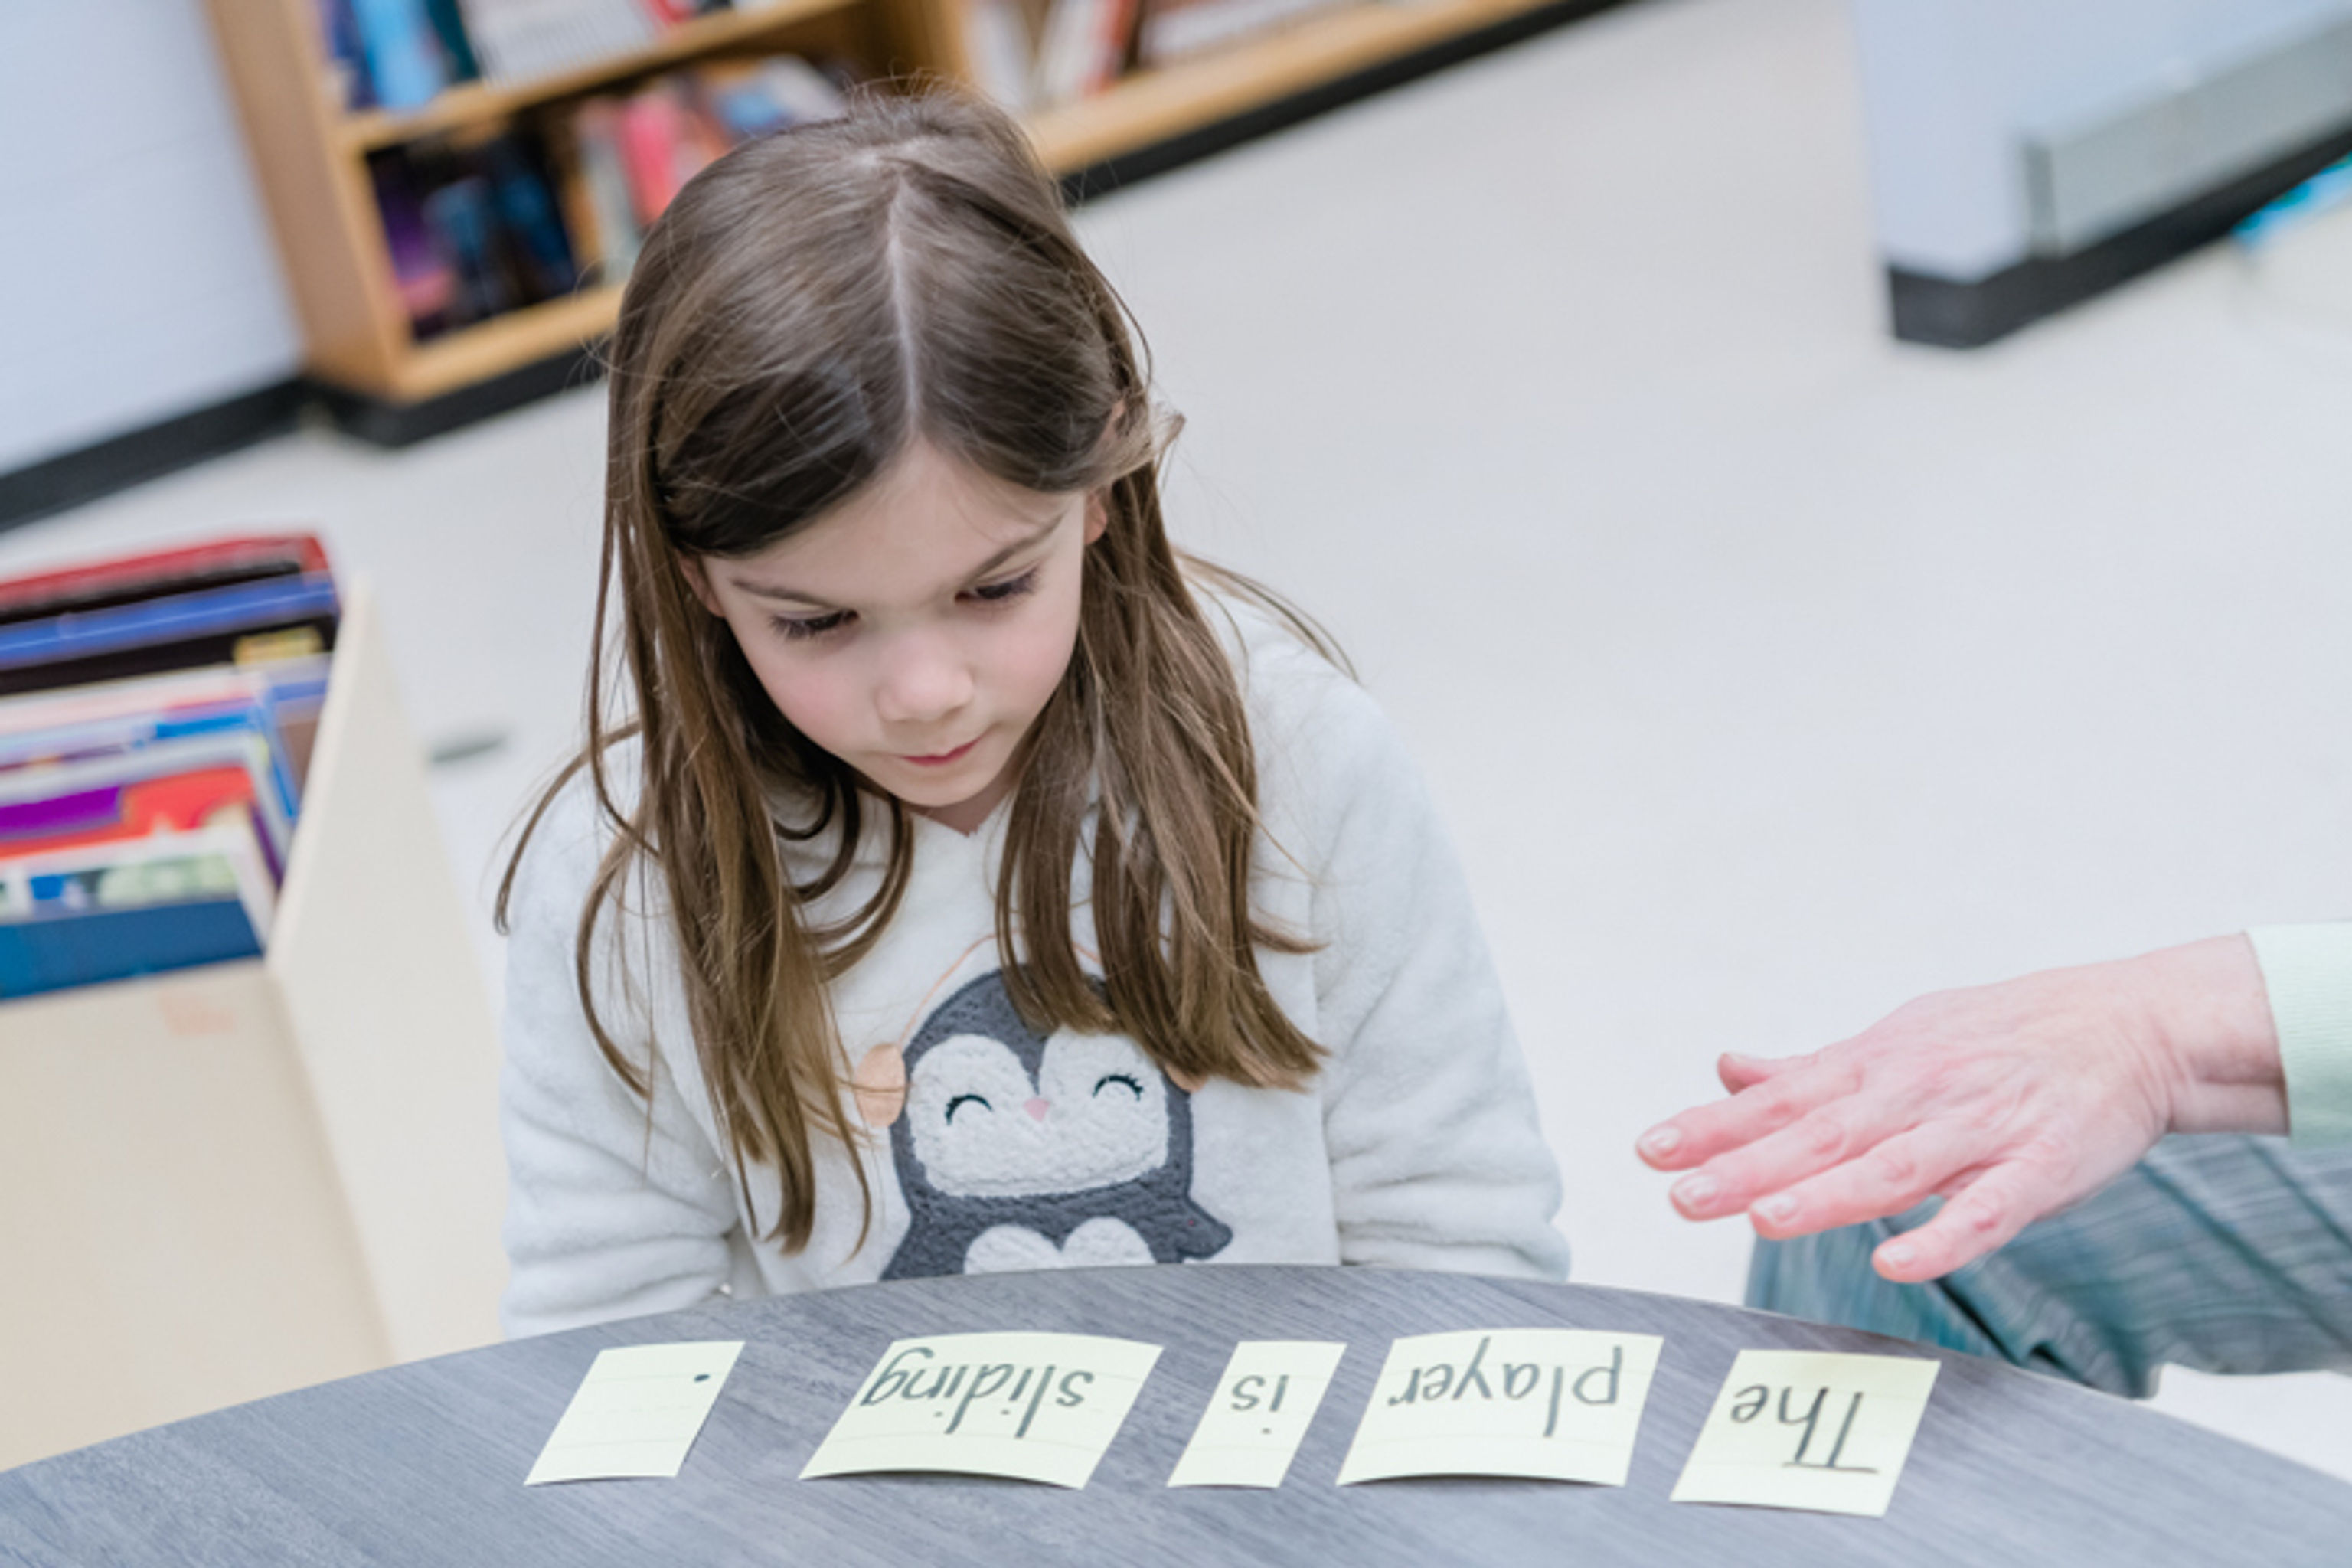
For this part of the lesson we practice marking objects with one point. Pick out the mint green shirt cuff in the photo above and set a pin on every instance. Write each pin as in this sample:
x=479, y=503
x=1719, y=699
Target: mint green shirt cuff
x=2308, y=971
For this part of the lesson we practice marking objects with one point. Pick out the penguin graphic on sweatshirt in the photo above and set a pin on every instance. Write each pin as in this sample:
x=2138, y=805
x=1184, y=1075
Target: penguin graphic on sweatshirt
x=1016, y=1151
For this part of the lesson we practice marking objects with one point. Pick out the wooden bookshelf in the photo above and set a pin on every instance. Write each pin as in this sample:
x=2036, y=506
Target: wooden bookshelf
x=475, y=102
x=243, y=1178
x=311, y=155
x=1153, y=107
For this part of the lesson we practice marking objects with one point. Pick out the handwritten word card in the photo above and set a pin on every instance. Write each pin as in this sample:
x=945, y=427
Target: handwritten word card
x=1036, y=1407
x=1262, y=1409
x=1558, y=1405
x=637, y=1412
x=1808, y=1429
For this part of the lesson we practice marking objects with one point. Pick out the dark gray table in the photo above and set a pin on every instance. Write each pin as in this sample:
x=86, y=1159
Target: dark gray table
x=423, y=1463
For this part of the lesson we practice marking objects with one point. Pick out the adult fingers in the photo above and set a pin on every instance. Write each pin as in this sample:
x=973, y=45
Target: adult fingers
x=1704, y=1131
x=1739, y=1072
x=1887, y=1178
x=1983, y=1216
x=1829, y=1130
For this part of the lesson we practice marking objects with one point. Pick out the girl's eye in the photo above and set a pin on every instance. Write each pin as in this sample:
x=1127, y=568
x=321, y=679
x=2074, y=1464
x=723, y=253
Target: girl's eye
x=966, y=1100
x=1011, y=588
x=796, y=627
x=1133, y=1087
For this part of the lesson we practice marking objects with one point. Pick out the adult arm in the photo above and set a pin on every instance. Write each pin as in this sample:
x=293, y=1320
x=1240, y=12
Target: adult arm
x=2014, y=1100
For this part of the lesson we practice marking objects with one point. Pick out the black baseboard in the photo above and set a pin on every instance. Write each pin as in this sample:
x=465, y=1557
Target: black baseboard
x=1955, y=315
x=98, y=471
x=1101, y=179
x=406, y=423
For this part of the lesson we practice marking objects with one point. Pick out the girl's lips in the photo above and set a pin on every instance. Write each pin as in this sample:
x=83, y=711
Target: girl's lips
x=943, y=758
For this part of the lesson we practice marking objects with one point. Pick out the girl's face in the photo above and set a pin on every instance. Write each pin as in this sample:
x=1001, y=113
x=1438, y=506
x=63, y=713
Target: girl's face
x=918, y=631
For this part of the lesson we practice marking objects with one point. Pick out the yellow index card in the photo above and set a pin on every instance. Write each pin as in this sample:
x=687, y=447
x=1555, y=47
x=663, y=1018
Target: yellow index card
x=1036, y=1407
x=1808, y=1429
x=637, y=1412
x=1558, y=1405
x=1263, y=1407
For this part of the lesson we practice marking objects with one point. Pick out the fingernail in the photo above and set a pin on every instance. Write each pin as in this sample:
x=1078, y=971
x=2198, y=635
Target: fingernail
x=1897, y=1253
x=1697, y=1192
x=1661, y=1140
x=1779, y=1208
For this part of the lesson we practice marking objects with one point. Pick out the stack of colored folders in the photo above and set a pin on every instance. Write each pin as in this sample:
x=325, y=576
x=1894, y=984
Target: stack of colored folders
x=156, y=716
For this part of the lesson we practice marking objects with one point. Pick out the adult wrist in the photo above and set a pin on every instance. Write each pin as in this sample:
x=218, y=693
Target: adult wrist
x=2208, y=1016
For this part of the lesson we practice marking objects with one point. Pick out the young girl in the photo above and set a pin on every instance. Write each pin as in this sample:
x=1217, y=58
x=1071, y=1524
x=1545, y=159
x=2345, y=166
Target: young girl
x=980, y=885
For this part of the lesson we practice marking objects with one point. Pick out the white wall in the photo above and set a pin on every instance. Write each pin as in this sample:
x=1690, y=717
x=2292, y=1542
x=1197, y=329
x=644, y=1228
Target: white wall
x=1949, y=86
x=138, y=279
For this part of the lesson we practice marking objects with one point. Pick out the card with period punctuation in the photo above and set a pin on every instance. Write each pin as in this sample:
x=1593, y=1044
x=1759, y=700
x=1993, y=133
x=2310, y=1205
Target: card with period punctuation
x=1808, y=1429
x=637, y=1412
x=1036, y=1407
x=1261, y=1410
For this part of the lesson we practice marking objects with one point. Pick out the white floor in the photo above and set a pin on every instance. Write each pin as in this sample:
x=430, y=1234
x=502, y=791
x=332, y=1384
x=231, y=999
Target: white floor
x=1770, y=672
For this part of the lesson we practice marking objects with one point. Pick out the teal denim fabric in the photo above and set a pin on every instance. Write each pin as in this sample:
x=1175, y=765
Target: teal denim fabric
x=2224, y=1254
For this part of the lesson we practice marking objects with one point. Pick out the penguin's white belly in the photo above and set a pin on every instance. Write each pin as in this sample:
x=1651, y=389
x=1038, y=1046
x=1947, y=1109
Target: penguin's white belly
x=1100, y=1243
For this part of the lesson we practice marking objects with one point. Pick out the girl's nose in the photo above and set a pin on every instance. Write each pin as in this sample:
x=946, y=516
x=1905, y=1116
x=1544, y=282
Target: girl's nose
x=922, y=679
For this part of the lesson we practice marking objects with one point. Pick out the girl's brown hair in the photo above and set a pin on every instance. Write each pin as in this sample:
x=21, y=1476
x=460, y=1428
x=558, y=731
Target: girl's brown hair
x=807, y=308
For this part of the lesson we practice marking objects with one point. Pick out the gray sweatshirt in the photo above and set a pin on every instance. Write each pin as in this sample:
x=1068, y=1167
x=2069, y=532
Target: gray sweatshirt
x=1416, y=1145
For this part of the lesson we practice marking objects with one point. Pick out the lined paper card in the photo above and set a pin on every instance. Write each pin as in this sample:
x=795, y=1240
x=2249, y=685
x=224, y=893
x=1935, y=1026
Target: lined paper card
x=1034, y=1408
x=1261, y=1410
x=637, y=1412
x=1808, y=1429
x=1560, y=1405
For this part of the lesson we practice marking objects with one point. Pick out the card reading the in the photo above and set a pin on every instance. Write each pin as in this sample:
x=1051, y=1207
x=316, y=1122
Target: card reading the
x=1263, y=1407
x=1558, y=1405
x=1036, y=1407
x=1808, y=1429
x=637, y=1412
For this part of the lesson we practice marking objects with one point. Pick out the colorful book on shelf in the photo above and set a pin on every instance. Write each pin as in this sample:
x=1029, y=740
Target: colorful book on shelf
x=60, y=725
x=54, y=799
x=457, y=49
x=424, y=280
x=348, y=87
x=751, y=98
x=1176, y=30
x=405, y=64
x=178, y=803
x=1084, y=49
x=248, y=621
x=597, y=205
x=518, y=38
x=461, y=217
x=532, y=228
x=139, y=906
x=93, y=740
x=127, y=579
x=1000, y=50
x=661, y=148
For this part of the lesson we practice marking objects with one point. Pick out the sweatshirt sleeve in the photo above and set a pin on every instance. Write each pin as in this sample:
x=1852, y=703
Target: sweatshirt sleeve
x=615, y=1206
x=1437, y=1159
x=2307, y=970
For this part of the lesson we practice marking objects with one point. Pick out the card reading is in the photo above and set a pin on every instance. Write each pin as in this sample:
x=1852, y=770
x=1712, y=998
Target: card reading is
x=1261, y=1410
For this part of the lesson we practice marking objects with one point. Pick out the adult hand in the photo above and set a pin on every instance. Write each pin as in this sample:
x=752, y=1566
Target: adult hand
x=2011, y=1100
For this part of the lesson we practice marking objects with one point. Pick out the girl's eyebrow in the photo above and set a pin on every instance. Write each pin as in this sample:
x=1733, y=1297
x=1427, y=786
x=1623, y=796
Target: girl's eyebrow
x=794, y=595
